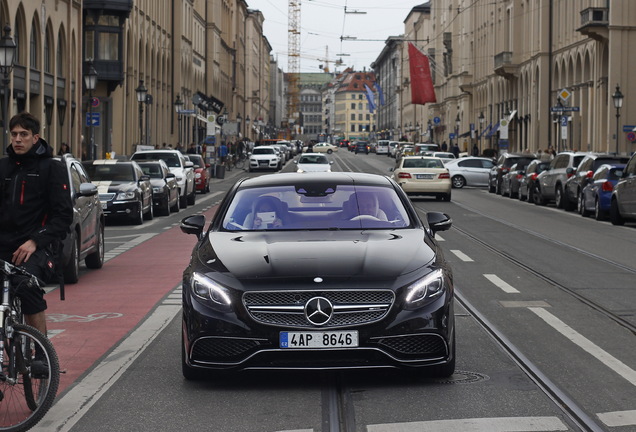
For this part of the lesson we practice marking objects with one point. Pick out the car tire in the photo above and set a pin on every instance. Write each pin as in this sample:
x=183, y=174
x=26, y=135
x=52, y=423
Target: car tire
x=183, y=201
x=150, y=214
x=175, y=207
x=329, y=151
x=446, y=197
x=580, y=206
x=95, y=260
x=458, y=182
x=615, y=214
x=192, y=197
x=491, y=188
x=568, y=205
x=165, y=207
x=538, y=197
x=71, y=269
x=138, y=217
x=559, y=200
x=599, y=214
x=520, y=196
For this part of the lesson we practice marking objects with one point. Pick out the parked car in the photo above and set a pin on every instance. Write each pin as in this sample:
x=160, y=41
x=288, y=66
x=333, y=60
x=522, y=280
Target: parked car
x=596, y=196
x=423, y=175
x=502, y=166
x=124, y=190
x=85, y=240
x=511, y=181
x=393, y=145
x=313, y=162
x=444, y=156
x=469, y=171
x=265, y=157
x=528, y=181
x=182, y=169
x=405, y=149
x=623, y=204
x=550, y=184
x=202, y=173
x=361, y=147
x=165, y=190
x=334, y=290
x=582, y=175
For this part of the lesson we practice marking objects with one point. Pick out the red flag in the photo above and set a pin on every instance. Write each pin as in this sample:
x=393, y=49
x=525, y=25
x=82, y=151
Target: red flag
x=422, y=90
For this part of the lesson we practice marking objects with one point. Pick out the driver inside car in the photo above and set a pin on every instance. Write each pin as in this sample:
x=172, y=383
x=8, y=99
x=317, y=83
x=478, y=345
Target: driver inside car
x=369, y=205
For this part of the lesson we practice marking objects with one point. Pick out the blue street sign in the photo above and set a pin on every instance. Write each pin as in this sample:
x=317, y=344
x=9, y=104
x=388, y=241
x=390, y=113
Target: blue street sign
x=628, y=128
x=437, y=120
x=564, y=120
x=451, y=136
x=564, y=109
x=96, y=119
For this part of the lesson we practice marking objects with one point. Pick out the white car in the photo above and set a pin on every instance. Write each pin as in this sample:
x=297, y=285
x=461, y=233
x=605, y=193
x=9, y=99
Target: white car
x=382, y=147
x=469, y=171
x=444, y=156
x=323, y=147
x=178, y=165
x=313, y=162
x=265, y=157
x=423, y=175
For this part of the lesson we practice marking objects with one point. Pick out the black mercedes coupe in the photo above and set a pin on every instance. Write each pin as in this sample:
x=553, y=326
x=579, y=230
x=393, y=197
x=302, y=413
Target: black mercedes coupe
x=317, y=271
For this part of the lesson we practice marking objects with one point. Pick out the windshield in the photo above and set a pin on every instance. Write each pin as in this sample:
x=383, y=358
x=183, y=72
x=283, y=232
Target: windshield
x=298, y=207
x=261, y=151
x=313, y=159
x=111, y=172
x=171, y=159
x=153, y=170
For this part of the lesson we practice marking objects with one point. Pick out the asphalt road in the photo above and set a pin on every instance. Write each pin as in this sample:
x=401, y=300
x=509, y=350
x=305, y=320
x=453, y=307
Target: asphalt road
x=546, y=309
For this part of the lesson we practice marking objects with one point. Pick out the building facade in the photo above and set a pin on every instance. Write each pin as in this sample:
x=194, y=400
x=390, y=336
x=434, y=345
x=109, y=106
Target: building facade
x=353, y=116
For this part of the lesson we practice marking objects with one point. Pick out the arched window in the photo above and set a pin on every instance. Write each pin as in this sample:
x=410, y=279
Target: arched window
x=33, y=53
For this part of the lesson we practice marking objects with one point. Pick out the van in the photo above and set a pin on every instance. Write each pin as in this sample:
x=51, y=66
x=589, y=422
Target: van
x=382, y=147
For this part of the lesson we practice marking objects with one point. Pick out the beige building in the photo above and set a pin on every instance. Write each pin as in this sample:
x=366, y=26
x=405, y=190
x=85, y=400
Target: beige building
x=512, y=60
x=353, y=119
x=191, y=57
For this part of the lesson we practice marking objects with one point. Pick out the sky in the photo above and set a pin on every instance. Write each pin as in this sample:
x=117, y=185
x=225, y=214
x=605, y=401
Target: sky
x=323, y=22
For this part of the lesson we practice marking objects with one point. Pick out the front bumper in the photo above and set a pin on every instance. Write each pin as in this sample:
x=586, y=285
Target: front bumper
x=235, y=341
x=120, y=208
x=263, y=164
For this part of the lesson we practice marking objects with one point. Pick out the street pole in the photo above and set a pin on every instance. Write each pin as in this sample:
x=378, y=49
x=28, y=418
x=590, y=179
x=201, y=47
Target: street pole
x=7, y=55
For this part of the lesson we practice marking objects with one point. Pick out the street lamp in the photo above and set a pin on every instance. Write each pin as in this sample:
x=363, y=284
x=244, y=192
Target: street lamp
x=90, y=81
x=481, y=119
x=178, y=106
x=239, y=120
x=247, y=126
x=618, y=104
x=141, y=91
x=7, y=56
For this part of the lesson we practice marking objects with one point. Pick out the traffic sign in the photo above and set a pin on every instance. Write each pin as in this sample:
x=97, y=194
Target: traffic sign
x=564, y=108
x=437, y=120
x=564, y=120
x=629, y=128
x=565, y=94
x=95, y=102
x=95, y=119
x=631, y=136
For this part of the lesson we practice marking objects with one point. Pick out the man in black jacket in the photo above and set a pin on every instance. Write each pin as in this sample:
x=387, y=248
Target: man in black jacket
x=35, y=212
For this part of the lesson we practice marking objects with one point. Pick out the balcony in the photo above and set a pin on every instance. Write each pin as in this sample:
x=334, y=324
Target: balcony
x=595, y=23
x=504, y=66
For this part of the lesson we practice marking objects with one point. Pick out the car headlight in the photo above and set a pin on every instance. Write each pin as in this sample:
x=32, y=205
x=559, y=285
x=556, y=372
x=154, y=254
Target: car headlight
x=425, y=290
x=157, y=190
x=197, y=175
x=179, y=179
x=211, y=292
x=122, y=196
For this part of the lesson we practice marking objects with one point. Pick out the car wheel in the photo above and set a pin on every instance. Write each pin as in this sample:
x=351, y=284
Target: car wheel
x=538, y=198
x=446, y=197
x=192, y=197
x=165, y=208
x=558, y=198
x=183, y=201
x=138, y=217
x=175, y=207
x=491, y=187
x=150, y=214
x=568, y=205
x=207, y=187
x=580, y=205
x=599, y=214
x=329, y=151
x=521, y=196
x=71, y=269
x=96, y=259
x=458, y=181
x=615, y=214
x=498, y=187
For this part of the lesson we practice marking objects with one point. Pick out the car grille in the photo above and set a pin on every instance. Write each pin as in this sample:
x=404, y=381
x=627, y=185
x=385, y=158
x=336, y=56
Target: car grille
x=106, y=196
x=213, y=349
x=428, y=345
x=287, y=308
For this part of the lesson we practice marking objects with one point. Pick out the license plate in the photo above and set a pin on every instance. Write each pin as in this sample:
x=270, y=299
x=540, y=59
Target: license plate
x=424, y=176
x=326, y=339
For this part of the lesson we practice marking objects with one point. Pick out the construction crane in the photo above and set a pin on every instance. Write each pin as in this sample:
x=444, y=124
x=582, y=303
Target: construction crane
x=293, y=60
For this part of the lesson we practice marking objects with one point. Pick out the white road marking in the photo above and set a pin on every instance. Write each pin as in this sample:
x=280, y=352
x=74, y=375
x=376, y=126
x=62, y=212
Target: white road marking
x=505, y=287
x=497, y=424
x=587, y=345
x=69, y=409
x=128, y=245
x=618, y=418
x=461, y=255
x=439, y=238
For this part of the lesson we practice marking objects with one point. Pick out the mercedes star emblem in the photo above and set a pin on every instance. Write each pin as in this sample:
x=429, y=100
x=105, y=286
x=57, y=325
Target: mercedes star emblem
x=318, y=310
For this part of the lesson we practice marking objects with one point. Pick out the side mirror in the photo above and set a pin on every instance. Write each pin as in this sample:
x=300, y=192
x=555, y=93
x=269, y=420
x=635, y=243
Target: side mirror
x=193, y=225
x=87, y=189
x=189, y=164
x=330, y=162
x=170, y=175
x=438, y=221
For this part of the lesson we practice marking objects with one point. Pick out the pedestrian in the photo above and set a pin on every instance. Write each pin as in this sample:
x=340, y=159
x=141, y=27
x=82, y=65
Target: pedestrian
x=222, y=152
x=475, y=150
x=192, y=149
x=33, y=224
x=444, y=146
x=455, y=150
x=64, y=149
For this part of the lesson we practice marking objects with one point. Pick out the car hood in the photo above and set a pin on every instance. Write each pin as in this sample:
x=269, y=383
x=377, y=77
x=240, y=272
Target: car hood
x=106, y=186
x=363, y=255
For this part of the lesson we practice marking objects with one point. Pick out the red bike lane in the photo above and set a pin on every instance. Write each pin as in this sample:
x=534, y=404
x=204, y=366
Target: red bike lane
x=107, y=304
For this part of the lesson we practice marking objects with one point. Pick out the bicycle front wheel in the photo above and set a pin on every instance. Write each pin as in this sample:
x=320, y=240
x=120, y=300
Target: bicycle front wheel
x=240, y=163
x=25, y=397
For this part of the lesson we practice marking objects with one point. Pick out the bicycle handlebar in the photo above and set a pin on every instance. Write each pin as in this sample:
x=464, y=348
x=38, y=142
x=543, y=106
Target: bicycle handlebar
x=9, y=269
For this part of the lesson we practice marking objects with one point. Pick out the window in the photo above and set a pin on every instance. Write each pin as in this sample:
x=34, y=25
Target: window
x=47, y=54
x=353, y=106
x=360, y=117
x=33, y=54
x=353, y=117
x=368, y=116
x=359, y=106
x=353, y=128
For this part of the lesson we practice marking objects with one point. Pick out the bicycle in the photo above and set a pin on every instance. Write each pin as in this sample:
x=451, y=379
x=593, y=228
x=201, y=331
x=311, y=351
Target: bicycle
x=24, y=397
x=239, y=162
